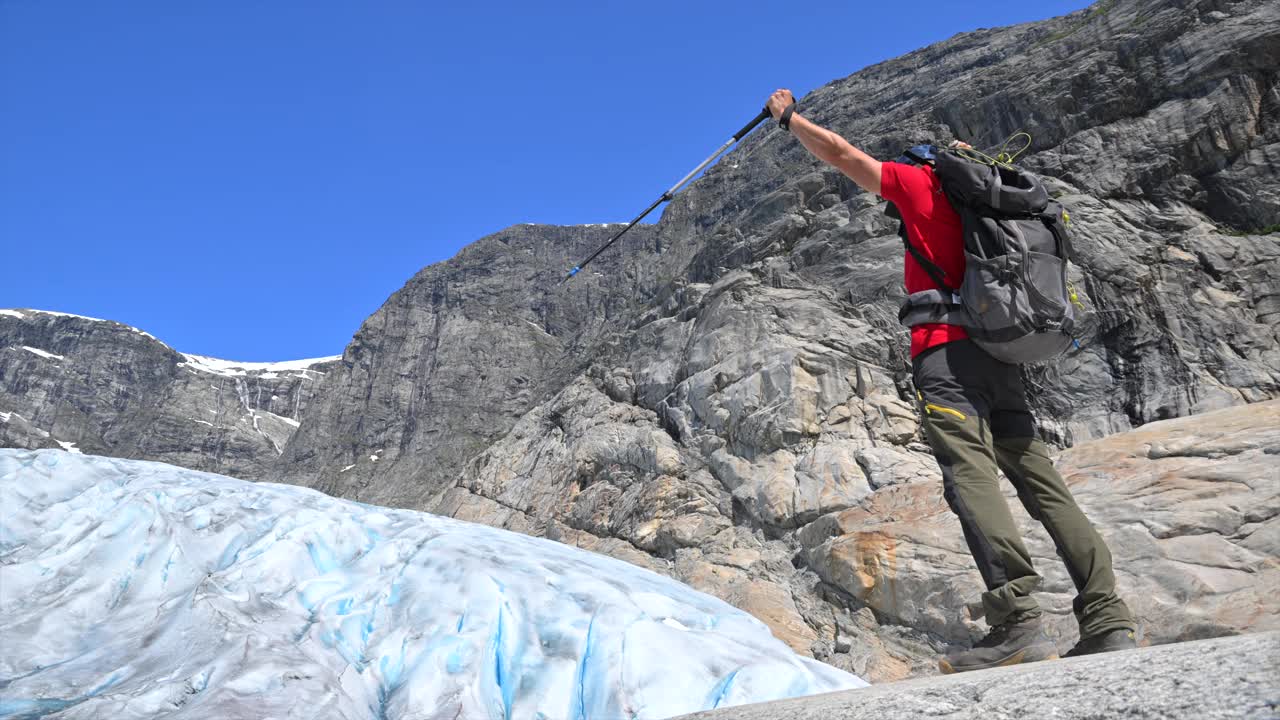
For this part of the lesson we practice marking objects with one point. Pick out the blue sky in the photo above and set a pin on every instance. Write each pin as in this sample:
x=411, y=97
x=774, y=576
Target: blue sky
x=250, y=180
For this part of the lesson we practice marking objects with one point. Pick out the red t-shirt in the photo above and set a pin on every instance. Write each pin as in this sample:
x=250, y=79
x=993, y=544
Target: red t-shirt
x=934, y=228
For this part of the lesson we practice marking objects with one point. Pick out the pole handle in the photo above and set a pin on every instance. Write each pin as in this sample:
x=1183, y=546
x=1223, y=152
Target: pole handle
x=764, y=115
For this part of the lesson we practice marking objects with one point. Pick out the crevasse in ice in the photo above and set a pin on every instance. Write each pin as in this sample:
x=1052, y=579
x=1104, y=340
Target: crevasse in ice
x=134, y=589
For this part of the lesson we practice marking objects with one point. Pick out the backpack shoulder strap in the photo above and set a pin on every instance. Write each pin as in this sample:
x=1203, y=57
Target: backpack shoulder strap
x=936, y=274
x=1054, y=218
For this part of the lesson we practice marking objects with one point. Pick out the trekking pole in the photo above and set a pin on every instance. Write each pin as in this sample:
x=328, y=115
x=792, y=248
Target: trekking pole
x=666, y=196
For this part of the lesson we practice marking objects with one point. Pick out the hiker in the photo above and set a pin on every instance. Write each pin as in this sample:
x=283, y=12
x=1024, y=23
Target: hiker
x=976, y=417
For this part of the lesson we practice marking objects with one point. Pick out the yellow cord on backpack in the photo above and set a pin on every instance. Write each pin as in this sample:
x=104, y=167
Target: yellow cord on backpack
x=1002, y=156
x=1075, y=299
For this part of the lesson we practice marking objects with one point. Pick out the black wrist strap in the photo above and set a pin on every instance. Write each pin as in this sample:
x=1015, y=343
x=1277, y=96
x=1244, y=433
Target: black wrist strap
x=784, y=120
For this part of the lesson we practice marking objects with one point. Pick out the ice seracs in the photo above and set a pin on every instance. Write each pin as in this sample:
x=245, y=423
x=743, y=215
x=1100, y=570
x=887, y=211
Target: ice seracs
x=136, y=589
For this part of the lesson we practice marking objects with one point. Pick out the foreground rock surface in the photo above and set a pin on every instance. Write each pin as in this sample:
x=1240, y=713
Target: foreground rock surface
x=1234, y=678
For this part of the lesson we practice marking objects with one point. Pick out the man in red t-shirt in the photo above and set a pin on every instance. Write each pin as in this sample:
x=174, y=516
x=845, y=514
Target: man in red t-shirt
x=976, y=416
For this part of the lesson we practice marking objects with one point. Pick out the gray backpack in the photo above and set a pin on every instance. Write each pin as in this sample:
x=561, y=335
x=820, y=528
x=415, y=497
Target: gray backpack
x=1014, y=299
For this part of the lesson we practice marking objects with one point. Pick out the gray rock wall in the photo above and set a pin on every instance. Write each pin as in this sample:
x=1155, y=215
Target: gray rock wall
x=764, y=392
x=108, y=389
x=453, y=359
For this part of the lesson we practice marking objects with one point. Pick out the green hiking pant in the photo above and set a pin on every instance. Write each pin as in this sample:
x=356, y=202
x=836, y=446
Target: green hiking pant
x=977, y=420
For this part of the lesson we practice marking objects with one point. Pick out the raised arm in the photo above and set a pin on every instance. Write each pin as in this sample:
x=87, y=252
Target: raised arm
x=828, y=146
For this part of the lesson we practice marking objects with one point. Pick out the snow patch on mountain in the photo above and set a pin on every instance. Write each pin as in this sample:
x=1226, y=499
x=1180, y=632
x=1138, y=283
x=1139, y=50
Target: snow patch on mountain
x=42, y=353
x=216, y=366
x=9, y=417
x=135, y=589
x=70, y=315
x=233, y=368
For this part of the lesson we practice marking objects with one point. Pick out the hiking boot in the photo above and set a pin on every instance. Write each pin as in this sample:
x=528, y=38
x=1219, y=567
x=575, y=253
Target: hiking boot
x=1122, y=639
x=1008, y=644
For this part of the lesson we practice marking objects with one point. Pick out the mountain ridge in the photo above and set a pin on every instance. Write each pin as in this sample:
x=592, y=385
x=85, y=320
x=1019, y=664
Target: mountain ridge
x=104, y=387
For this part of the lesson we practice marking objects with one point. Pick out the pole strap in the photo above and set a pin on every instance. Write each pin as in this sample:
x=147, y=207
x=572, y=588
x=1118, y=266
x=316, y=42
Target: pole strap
x=784, y=120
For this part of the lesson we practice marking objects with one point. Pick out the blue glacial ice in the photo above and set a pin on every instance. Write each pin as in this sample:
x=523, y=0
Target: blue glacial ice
x=134, y=589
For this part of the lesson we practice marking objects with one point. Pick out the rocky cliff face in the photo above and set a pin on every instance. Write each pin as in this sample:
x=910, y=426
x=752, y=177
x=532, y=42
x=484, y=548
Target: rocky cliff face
x=746, y=424
x=108, y=389
x=727, y=399
x=459, y=354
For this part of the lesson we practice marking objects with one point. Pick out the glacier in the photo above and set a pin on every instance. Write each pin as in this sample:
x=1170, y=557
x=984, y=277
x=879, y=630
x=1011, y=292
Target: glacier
x=133, y=589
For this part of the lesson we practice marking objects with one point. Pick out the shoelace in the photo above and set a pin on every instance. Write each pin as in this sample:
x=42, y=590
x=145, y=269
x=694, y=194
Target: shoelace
x=995, y=637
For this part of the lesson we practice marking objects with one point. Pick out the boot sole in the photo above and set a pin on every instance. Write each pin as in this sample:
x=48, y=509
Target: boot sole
x=1035, y=653
x=1101, y=651
x=1128, y=643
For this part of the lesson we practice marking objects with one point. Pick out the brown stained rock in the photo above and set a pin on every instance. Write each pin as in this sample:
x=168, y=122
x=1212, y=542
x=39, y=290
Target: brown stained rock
x=774, y=606
x=769, y=602
x=901, y=554
x=1193, y=533
x=870, y=561
x=710, y=578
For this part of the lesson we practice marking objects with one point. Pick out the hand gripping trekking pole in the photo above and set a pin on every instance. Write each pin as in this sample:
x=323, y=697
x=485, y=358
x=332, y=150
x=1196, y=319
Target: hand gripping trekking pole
x=666, y=196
